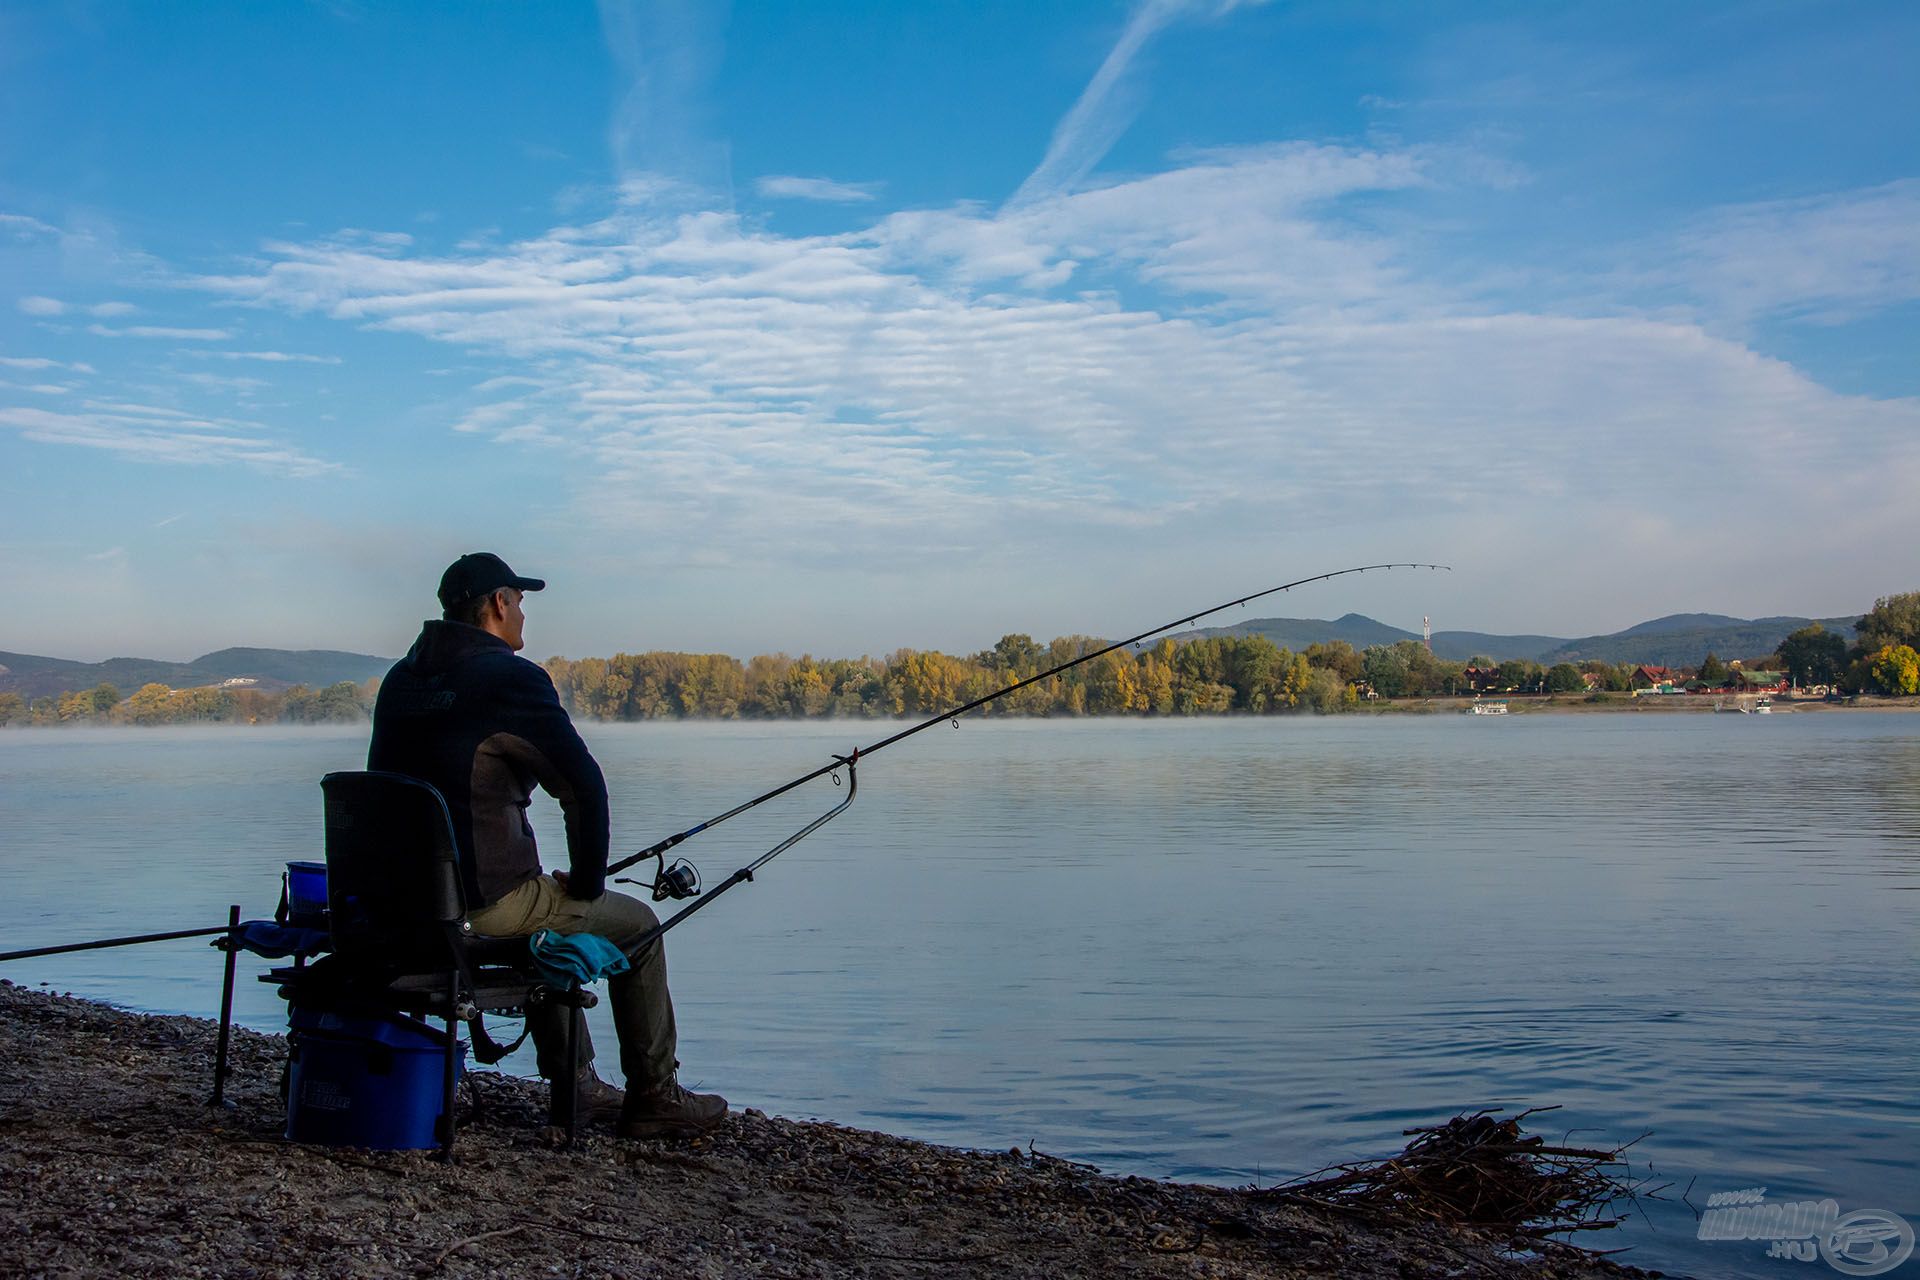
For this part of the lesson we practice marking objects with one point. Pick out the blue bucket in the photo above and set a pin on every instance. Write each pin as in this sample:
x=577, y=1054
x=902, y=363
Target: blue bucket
x=369, y=1081
x=307, y=894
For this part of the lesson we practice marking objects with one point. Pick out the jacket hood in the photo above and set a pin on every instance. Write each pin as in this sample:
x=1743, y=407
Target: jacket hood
x=445, y=645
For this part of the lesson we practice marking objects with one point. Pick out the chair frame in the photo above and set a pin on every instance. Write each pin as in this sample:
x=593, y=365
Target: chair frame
x=447, y=972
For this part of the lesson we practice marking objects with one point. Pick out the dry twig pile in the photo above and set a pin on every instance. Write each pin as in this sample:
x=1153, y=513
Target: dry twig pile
x=1478, y=1172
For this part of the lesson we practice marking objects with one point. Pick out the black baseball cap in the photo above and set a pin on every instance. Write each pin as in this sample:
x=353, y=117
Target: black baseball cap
x=477, y=573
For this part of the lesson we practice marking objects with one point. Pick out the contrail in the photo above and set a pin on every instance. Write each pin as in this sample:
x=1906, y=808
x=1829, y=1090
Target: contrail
x=1088, y=131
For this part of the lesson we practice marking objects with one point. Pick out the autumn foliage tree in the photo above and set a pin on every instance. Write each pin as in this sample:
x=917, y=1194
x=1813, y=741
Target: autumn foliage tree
x=1893, y=621
x=1896, y=670
x=1209, y=676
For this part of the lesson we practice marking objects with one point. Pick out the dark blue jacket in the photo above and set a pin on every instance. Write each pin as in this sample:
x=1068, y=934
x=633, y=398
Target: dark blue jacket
x=462, y=712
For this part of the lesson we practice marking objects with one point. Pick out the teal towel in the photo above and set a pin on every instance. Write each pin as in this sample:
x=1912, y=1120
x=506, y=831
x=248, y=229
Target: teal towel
x=566, y=958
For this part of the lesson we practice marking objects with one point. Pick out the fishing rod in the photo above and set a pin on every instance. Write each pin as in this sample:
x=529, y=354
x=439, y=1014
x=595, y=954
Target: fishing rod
x=682, y=880
x=129, y=941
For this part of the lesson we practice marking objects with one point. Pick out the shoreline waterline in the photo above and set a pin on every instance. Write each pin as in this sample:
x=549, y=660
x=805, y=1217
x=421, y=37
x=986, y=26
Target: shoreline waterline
x=110, y=1161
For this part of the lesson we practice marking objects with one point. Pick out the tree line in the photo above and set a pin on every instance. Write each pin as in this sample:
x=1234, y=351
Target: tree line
x=1216, y=675
x=1884, y=657
x=1201, y=677
x=156, y=704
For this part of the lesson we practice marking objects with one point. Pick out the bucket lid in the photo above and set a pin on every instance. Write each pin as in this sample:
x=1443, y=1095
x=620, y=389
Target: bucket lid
x=394, y=1030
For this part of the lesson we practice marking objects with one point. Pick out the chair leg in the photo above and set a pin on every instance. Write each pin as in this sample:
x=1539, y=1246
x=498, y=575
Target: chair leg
x=228, y=945
x=570, y=1091
x=449, y=1071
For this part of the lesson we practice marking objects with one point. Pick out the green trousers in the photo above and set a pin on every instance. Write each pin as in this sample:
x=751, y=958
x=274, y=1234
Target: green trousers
x=642, y=1009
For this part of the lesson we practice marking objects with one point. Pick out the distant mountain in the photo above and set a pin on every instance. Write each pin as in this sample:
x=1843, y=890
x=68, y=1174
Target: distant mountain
x=316, y=667
x=1296, y=634
x=1685, y=638
x=1458, y=646
x=1677, y=640
x=1678, y=622
x=33, y=676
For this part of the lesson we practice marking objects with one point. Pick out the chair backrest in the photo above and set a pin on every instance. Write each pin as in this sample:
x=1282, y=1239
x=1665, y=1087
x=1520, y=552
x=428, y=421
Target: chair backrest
x=393, y=869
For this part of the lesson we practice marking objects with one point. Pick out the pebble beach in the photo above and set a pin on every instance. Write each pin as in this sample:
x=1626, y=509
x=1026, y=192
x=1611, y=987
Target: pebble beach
x=112, y=1162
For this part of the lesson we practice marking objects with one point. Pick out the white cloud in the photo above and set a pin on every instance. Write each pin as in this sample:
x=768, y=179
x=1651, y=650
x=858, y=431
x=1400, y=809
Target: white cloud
x=787, y=187
x=1198, y=352
x=1253, y=223
x=270, y=357
x=28, y=362
x=151, y=433
x=1827, y=257
x=161, y=331
x=216, y=382
x=39, y=306
x=22, y=227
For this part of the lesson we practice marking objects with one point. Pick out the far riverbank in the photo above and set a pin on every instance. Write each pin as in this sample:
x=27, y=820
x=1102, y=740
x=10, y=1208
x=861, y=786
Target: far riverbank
x=1517, y=703
x=1614, y=703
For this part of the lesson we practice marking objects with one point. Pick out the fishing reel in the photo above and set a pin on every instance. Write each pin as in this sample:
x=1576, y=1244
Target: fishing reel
x=681, y=880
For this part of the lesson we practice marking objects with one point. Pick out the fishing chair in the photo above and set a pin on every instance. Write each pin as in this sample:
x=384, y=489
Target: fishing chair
x=397, y=909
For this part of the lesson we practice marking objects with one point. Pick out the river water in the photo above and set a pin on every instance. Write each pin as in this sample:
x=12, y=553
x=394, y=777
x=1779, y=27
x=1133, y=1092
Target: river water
x=1224, y=950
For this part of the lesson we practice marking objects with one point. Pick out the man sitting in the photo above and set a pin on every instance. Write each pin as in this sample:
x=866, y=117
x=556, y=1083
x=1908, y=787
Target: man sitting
x=483, y=726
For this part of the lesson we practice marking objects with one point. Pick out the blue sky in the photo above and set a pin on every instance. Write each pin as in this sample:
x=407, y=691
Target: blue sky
x=845, y=327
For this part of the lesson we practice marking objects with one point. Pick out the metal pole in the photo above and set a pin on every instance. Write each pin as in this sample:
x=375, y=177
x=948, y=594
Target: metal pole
x=226, y=1009
x=449, y=1068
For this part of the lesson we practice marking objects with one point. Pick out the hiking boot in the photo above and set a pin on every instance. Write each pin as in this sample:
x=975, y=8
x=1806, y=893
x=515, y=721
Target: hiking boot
x=595, y=1101
x=668, y=1111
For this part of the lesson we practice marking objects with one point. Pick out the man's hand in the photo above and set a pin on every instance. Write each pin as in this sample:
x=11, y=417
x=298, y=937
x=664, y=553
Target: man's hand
x=565, y=882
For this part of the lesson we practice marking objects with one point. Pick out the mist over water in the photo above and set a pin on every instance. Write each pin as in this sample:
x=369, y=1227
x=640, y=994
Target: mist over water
x=1223, y=950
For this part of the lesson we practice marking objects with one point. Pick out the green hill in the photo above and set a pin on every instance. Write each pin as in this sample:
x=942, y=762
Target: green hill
x=1296, y=634
x=1678, y=640
x=1684, y=639
x=34, y=676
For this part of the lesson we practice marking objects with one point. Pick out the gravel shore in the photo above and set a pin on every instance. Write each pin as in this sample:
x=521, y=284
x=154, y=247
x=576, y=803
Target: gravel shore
x=111, y=1163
